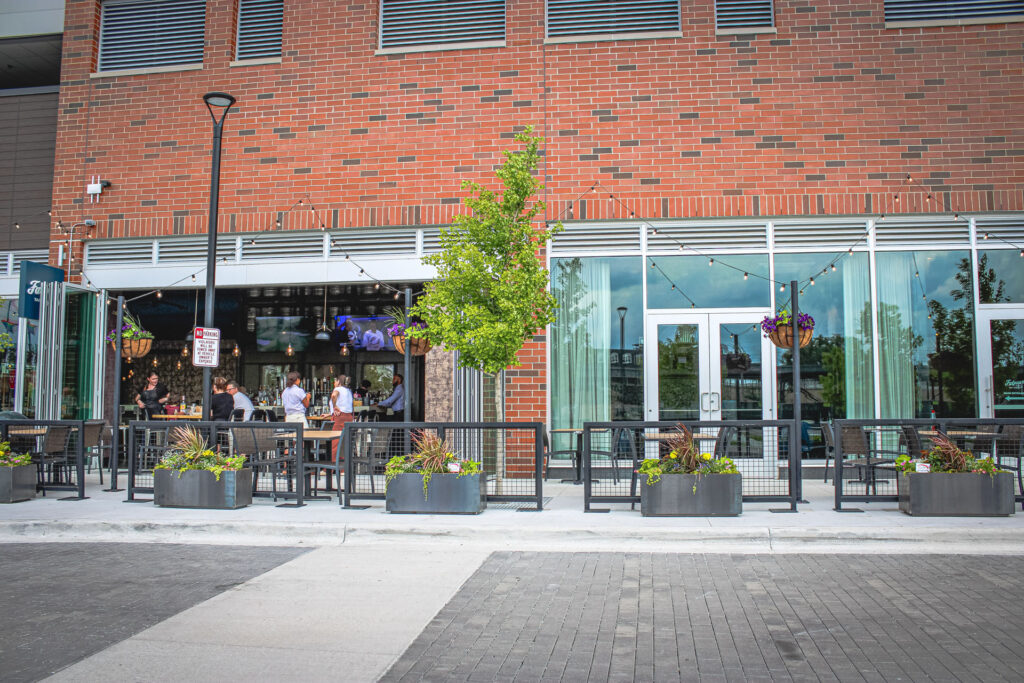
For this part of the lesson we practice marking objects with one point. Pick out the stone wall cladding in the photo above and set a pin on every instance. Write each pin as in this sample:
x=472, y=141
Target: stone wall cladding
x=825, y=116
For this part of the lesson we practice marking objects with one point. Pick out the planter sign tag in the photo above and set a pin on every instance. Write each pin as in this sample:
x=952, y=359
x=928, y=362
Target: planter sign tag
x=206, y=347
x=923, y=467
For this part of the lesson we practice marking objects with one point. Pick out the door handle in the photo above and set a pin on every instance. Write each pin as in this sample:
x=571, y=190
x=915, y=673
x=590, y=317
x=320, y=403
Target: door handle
x=706, y=407
x=716, y=401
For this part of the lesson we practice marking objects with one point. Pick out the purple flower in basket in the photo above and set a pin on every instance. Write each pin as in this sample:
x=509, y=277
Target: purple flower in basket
x=398, y=330
x=785, y=319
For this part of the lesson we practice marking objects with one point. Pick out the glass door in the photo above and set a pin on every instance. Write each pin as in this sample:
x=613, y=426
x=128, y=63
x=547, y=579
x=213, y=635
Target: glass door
x=708, y=366
x=1001, y=361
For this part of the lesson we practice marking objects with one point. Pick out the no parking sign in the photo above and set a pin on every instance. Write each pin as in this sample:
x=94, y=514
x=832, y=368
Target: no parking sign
x=206, y=347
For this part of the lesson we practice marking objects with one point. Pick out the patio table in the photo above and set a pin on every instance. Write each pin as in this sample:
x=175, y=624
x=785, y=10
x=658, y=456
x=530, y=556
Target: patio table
x=315, y=437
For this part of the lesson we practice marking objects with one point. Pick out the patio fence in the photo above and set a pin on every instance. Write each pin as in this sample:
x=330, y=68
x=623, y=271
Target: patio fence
x=866, y=450
x=58, y=448
x=509, y=453
x=273, y=450
x=612, y=453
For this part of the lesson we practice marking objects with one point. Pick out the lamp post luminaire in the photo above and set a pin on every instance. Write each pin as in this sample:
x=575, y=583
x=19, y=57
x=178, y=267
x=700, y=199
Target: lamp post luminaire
x=216, y=103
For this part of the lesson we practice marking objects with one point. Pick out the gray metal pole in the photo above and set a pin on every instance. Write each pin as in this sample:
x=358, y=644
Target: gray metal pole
x=795, y=463
x=115, y=435
x=408, y=359
x=211, y=257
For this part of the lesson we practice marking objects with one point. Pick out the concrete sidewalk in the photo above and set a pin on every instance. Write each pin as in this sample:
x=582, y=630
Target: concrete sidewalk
x=561, y=526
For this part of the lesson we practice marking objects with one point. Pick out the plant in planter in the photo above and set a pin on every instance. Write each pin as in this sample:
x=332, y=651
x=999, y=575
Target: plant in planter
x=779, y=328
x=136, y=342
x=192, y=475
x=949, y=481
x=686, y=482
x=17, y=477
x=434, y=479
x=399, y=330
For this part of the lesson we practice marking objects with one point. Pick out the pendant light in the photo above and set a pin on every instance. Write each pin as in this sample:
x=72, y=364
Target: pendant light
x=323, y=332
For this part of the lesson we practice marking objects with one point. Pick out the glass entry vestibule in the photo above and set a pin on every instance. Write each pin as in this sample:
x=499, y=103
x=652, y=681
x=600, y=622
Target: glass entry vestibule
x=708, y=366
x=1001, y=361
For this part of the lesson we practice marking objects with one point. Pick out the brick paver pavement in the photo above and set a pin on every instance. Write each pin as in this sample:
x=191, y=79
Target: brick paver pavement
x=527, y=616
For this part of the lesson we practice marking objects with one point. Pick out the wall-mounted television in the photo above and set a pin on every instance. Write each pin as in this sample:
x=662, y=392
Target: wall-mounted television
x=276, y=332
x=366, y=333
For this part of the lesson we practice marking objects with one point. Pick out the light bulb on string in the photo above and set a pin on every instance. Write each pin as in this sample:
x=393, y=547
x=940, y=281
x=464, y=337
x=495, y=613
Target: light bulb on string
x=193, y=277
x=782, y=288
x=833, y=267
x=376, y=286
x=812, y=282
x=236, y=352
x=711, y=262
x=396, y=295
x=985, y=237
x=159, y=294
x=746, y=276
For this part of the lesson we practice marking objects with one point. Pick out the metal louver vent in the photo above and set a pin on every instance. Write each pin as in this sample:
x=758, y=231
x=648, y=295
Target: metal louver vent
x=382, y=242
x=140, y=34
x=590, y=237
x=839, y=235
x=939, y=10
x=431, y=240
x=410, y=23
x=259, y=29
x=709, y=236
x=35, y=255
x=194, y=249
x=597, y=17
x=1009, y=229
x=282, y=246
x=118, y=252
x=730, y=14
x=921, y=233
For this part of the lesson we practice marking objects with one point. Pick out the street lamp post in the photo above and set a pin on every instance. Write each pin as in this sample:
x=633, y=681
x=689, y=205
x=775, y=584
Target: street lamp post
x=216, y=103
x=622, y=364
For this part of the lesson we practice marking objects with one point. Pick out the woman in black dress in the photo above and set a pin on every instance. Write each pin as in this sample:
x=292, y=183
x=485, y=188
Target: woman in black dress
x=223, y=403
x=152, y=397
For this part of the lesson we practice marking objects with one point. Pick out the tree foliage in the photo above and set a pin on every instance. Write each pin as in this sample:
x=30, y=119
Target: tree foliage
x=490, y=294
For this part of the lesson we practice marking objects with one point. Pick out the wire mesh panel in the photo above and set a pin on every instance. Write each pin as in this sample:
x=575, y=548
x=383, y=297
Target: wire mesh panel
x=273, y=450
x=866, y=451
x=509, y=453
x=58, y=449
x=612, y=452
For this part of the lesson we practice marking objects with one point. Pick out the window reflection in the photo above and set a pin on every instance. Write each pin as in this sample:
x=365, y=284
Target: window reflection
x=1000, y=276
x=690, y=282
x=836, y=370
x=596, y=342
x=926, y=334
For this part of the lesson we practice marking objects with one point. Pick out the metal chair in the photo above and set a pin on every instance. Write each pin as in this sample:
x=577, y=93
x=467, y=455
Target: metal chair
x=1010, y=445
x=262, y=448
x=855, y=442
x=830, y=447
x=51, y=455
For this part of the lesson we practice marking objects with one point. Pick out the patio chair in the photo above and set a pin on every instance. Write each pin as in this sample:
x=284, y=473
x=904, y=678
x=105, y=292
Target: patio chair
x=262, y=448
x=830, y=447
x=370, y=452
x=867, y=462
x=51, y=456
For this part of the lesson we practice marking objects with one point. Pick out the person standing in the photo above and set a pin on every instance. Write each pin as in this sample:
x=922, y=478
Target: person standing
x=242, y=402
x=295, y=399
x=396, y=401
x=222, y=403
x=341, y=409
x=152, y=397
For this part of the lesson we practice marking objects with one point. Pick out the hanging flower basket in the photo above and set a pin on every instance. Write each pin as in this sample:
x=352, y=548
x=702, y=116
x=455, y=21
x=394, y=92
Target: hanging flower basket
x=779, y=329
x=135, y=348
x=417, y=347
x=135, y=341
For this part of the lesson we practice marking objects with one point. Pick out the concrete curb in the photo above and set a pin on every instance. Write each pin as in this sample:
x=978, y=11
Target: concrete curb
x=757, y=539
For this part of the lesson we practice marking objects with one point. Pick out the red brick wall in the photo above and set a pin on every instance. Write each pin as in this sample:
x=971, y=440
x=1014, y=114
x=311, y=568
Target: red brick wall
x=826, y=116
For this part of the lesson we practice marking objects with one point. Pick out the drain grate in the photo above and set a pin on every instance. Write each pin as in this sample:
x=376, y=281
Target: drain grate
x=516, y=505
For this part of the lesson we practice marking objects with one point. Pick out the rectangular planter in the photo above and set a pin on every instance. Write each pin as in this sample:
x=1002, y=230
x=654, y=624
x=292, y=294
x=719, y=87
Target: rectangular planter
x=201, y=489
x=447, y=494
x=717, y=495
x=939, y=494
x=17, y=483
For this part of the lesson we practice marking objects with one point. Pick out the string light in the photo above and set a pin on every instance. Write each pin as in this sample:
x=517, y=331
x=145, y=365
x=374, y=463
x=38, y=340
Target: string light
x=159, y=294
x=236, y=352
x=812, y=282
x=746, y=275
x=711, y=262
x=193, y=277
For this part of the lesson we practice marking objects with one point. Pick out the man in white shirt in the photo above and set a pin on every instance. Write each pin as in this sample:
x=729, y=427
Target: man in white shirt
x=241, y=400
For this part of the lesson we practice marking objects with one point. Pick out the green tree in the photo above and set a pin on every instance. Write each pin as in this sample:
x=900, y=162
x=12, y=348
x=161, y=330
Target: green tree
x=490, y=294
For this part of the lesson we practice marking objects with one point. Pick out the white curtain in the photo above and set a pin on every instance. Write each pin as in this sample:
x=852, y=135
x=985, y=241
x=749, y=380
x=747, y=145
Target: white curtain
x=581, y=348
x=860, y=376
x=896, y=334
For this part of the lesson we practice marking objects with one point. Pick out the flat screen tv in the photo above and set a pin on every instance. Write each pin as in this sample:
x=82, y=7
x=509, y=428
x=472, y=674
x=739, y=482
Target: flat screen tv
x=276, y=332
x=366, y=333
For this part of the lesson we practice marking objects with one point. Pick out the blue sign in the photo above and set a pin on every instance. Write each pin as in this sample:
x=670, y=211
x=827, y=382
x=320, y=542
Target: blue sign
x=33, y=275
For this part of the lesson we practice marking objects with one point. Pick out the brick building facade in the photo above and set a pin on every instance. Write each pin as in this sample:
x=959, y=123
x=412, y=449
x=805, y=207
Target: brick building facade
x=825, y=115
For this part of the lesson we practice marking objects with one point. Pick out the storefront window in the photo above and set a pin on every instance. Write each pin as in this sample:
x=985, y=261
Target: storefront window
x=836, y=372
x=1000, y=276
x=926, y=334
x=596, y=342
x=732, y=281
x=8, y=351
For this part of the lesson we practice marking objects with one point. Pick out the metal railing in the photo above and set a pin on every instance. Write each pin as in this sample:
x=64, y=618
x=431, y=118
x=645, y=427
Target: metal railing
x=509, y=453
x=611, y=453
x=865, y=451
x=58, y=449
x=274, y=451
